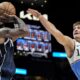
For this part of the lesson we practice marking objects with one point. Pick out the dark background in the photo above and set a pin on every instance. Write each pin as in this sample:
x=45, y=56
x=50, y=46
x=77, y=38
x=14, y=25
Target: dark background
x=62, y=15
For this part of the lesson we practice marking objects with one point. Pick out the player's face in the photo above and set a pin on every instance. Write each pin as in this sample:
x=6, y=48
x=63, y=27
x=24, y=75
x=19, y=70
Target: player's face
x=76, y=32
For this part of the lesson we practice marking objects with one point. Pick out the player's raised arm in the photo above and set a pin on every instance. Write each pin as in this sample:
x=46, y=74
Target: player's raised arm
x=16, y=33
x=66, y=41
x=20, y=30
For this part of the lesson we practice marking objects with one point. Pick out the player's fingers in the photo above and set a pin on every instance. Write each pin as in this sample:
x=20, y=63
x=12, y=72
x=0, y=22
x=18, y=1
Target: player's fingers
x=6, y=15
x=9, y=17
x=3, y=19
x=34, y=12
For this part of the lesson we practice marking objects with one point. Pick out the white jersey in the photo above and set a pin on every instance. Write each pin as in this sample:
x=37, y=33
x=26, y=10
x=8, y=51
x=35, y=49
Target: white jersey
x=75, y=60
x=76, y=54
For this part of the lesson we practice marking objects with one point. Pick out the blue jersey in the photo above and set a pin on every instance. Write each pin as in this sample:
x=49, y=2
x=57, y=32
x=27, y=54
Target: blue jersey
x=75, y=60
x=7, y=66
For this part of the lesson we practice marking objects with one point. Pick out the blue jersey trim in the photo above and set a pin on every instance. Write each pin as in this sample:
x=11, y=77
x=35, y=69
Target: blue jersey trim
x=76, y=68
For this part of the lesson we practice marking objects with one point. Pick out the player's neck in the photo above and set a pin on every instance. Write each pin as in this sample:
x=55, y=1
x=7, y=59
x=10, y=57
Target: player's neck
x=78, y=40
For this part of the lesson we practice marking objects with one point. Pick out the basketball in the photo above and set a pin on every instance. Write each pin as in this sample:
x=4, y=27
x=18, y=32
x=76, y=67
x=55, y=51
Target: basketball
x=7, y=7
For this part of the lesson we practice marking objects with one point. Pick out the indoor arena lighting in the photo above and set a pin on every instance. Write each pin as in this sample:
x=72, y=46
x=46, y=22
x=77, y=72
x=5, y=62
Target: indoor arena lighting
x=59, y=54
x=21, y=71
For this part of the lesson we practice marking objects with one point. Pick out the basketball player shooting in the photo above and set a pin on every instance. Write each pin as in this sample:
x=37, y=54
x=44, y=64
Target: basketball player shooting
x=7, y=36
x=72, y=46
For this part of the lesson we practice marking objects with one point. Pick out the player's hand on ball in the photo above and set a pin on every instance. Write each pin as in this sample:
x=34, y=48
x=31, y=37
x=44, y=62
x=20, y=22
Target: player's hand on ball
x=7, y=18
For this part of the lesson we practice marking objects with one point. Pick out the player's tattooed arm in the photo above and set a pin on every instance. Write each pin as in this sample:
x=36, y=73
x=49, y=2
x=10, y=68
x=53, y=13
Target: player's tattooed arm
x=17, y=20
x=20, y=22
x=4, y=32
x=17, y=32
x=13, y=33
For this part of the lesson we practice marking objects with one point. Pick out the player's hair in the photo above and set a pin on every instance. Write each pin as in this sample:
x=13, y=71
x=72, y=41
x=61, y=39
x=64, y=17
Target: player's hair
x=76, y=23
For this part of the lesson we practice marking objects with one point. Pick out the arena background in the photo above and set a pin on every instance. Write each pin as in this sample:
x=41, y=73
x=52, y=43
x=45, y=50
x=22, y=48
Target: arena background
x=63, y=16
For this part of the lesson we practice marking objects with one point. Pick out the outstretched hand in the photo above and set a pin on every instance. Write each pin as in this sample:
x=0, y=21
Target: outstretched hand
x=34, y=12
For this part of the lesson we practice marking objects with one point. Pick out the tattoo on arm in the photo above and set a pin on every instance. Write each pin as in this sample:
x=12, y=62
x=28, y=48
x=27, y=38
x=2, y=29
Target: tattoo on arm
x=16, y=33
x=20, y=22
x=21, y=31
x=4, y=32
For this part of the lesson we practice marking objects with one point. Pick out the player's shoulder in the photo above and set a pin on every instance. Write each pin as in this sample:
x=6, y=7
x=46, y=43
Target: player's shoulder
x=69, y=40
x=76, y=42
